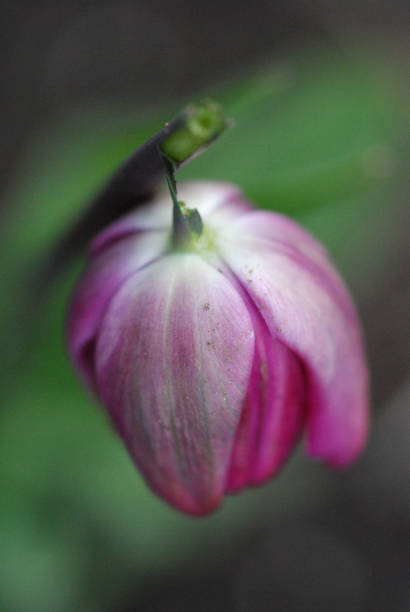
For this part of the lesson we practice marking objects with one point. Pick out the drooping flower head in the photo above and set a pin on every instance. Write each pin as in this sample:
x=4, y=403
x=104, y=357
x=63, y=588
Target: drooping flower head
x=214, y=353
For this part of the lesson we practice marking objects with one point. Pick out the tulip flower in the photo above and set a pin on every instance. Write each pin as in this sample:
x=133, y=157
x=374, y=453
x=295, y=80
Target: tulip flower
x=214, y=336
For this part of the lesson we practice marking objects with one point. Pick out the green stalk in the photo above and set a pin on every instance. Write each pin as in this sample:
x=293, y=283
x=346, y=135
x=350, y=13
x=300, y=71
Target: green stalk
x=204, y=123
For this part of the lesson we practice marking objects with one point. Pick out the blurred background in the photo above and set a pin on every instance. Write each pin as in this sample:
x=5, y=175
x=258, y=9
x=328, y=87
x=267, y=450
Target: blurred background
x=318, y=94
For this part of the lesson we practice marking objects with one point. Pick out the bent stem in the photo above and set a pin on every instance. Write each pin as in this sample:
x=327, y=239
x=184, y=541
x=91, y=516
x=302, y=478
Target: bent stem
x=186, y=222
x=204, y=123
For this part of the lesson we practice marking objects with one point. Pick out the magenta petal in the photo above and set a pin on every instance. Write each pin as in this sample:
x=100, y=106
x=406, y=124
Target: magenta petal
x=306, y=307
x=283, y=412
x=154, y=216
x=282, y=233
x=272, y=415
x=103, y=276
x=273, y=226
x=173, y=362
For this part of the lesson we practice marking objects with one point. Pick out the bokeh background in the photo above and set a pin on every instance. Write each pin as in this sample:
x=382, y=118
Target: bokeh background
x=318, y=95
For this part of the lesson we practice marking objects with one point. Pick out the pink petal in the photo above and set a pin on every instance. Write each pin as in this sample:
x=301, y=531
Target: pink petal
x=102, y=277
x=216, y=202
x=273, y=411
x=213, y=198
x=284, y=233
x=173, y=362
x=305, y=306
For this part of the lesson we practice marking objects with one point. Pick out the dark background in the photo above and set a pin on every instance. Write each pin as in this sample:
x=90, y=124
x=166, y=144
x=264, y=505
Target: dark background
x=80, y=531
x=59, y=55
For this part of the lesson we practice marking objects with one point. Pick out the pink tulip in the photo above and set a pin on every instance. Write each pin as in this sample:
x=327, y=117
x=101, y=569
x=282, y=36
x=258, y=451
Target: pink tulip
x=211, y=358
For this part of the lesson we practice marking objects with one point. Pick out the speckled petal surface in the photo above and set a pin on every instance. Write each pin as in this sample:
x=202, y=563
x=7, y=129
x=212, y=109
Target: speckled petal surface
x=173, y=361
x=279, y=228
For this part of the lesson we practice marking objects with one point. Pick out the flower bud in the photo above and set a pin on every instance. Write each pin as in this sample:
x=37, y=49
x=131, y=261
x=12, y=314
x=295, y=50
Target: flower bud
x=212, y=356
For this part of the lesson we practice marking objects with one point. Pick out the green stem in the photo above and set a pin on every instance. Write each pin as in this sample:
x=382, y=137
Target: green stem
x=204, y=123
x=180, y=224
